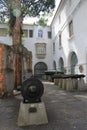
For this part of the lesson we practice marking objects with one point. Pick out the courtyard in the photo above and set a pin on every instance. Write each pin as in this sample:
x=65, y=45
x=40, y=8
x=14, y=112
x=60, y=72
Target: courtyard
x=65, y=110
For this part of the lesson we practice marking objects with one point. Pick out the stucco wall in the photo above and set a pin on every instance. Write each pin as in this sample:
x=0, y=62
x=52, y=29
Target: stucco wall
x=78, y=42
x=29, y=43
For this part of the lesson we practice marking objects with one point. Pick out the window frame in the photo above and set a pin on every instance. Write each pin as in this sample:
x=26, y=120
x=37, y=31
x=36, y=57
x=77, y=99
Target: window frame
x=71, y=32
x=3, y=32
x=40, y=50
x=53, y=47
x=60, y=40
x=49, y=34
x=31, y=33
x=40, y=33
x=25, y=33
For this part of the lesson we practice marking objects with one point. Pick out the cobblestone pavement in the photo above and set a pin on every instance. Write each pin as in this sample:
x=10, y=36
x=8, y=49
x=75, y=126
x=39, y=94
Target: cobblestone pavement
x=65, y=111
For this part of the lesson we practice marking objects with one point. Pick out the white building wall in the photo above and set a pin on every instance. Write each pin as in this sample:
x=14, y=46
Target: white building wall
x=81, y=33
x=75, y=11
x=6, y=39
x=29, y=43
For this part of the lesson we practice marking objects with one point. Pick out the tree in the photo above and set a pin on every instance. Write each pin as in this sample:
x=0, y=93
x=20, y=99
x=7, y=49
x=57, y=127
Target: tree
x=27, y=7
x=42, y=22
x=15, y=11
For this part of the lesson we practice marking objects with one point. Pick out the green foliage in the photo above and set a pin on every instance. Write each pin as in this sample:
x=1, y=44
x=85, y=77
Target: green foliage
x=28, y=7
x=42, y=22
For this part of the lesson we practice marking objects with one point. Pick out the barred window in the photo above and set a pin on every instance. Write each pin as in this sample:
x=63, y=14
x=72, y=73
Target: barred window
x=30, y=33
x=3, y=31
x=60, y=41
x=54, y=47
x=25, y=33
x=40, y=50
x=49, y=34
x=70, y=28
x=40, y=33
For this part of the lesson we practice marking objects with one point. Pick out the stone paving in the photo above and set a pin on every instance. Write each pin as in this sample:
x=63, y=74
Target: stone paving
x=65, y=110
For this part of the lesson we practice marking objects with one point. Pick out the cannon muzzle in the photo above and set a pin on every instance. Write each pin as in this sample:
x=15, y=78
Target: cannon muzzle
x=32, y=89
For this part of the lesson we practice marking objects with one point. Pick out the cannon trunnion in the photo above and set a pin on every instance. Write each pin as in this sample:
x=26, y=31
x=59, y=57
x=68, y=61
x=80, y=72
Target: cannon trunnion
x=32, y=89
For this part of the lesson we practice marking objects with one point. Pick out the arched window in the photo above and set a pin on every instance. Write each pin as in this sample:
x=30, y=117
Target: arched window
x=39, y=69
x=54, y=65
x=73, y=62
x=61, y=64
x=40, y=33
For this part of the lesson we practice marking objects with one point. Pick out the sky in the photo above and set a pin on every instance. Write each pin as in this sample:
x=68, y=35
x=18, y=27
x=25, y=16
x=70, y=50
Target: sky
x=31, y=20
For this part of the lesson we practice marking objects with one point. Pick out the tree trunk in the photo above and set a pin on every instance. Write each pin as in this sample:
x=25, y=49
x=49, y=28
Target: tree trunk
x=17, y=55
x=17, y=71
x=16, y=36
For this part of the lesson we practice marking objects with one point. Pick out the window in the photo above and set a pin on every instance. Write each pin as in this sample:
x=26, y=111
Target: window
x=30, y=33
x=3, y=32
x=25, y=33
x=40, y=50
x=70, y=28
x=40, y=33
x=49, y=34
x=54, y=47
x=60, y=41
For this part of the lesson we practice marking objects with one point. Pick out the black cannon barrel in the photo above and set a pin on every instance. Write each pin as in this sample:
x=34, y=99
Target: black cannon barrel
x=77, y=76
x=57, y=76
x=52, y=72
x=32, y=89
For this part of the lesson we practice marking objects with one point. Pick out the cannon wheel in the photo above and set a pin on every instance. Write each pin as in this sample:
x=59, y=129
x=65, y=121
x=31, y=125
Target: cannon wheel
x=32, y=89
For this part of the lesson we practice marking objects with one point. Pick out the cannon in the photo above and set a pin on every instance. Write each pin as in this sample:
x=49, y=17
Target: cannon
x=50, y=74
x=32, y=110
x=32, y=89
